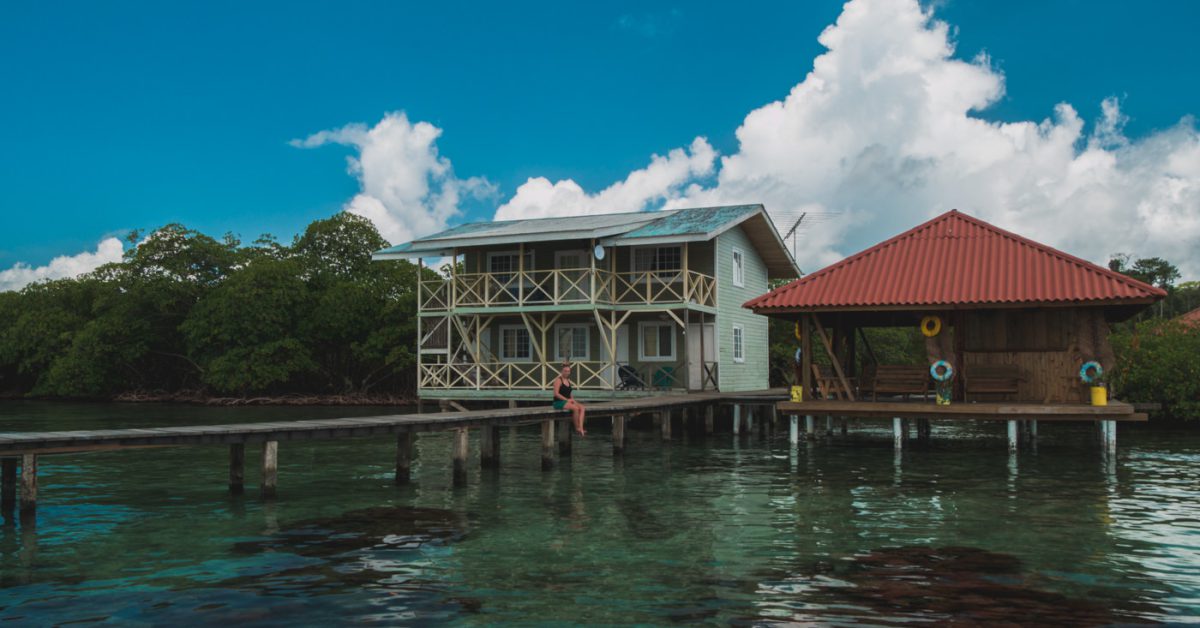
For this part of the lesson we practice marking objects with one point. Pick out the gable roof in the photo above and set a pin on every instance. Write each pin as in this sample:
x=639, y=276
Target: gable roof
x=955, y=260
x=623, y=229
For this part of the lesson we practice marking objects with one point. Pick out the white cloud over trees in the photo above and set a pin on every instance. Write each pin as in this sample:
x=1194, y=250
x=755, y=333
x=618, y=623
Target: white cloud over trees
x=109, y=250
x=883, y=132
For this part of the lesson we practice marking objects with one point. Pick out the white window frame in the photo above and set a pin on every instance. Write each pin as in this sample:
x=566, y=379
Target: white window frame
x=739, y=268
x=633, y=263
x=503, y=352
x=738, y=342
x=587, y=345
x=641, y=344
x=514, y=253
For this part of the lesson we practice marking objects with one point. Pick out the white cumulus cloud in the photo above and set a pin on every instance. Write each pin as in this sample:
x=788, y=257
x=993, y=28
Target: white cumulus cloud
x=884, y=132
x=20, y=274
x=659, y=182
x=407, y=189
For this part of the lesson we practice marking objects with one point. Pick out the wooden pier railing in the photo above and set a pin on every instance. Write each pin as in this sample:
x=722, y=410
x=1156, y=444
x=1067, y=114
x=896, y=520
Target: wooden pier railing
x=568, y=286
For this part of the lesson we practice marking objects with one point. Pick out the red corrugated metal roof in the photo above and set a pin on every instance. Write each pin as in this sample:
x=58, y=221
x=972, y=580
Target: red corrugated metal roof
x=955, y=259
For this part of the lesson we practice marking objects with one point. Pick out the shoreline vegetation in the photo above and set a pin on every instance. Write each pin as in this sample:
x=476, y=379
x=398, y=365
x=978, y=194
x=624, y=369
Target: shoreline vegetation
x=188, y=318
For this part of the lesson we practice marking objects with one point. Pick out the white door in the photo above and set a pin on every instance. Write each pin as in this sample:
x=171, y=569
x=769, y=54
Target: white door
x=693, y=352
x=573, y=285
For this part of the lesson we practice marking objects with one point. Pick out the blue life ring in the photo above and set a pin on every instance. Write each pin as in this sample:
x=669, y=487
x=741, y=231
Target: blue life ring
x=941, y=371
x=798, y=351
x=1091, y=378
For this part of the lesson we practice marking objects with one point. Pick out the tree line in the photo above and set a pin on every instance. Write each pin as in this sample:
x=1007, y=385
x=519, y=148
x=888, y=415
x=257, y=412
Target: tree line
x=187, y=313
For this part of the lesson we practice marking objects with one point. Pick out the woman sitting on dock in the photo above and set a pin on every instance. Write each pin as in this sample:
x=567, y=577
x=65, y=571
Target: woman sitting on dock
x=563, y=399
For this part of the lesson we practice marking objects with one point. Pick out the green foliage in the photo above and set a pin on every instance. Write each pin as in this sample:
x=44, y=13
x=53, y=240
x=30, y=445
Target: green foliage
x=1159, y=361
x=185, y=311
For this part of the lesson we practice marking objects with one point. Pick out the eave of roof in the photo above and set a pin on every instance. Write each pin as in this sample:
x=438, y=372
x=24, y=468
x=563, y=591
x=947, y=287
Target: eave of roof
x=922, y=268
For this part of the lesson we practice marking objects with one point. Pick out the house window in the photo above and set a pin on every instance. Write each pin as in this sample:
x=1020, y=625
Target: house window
x=739, y=268
x=514, y=343
x=656, y=342
x=507, y=262
x=657, y=258
x=739, y=343
x=572, y=342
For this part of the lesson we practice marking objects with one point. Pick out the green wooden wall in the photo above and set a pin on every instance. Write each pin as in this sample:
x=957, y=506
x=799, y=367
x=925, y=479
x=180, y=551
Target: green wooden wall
x=753, y=374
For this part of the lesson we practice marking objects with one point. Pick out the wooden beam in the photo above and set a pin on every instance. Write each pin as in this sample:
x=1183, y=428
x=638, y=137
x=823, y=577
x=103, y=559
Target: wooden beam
x=459, y=455
x=548, y=444
x=404, y=456
x=237, y=468
x=806, y=356
x=618, y=434
x=564, y=438
x=270, y=468
x=837, y=366
x=489, y=446
x=29, y=484
x=8, y=486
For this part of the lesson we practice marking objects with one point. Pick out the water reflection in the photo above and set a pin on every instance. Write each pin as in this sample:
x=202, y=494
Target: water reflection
x=718, y=530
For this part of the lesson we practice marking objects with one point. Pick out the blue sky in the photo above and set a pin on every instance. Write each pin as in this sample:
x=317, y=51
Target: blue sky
x=129, y=115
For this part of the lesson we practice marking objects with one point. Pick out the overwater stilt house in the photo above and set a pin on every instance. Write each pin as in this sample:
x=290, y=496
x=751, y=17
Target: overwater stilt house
x=640, y=304
x=1009, y=322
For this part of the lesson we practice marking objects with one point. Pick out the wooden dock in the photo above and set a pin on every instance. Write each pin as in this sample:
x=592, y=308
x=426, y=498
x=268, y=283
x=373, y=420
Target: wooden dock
x=23, y=448
x=19, y=451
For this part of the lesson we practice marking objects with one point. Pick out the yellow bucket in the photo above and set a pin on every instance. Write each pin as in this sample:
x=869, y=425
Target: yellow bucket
x=1099, y=396
x=797, y=394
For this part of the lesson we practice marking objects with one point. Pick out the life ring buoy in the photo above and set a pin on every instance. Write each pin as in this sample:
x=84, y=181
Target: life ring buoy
x=931, y=326
x=1091, y=372
x=941, y=371
x=798, y=354
x=799, y=336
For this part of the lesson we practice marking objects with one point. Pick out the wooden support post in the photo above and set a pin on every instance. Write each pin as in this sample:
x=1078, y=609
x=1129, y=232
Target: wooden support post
x=489, y=446
x=806, y=355
x=404, y=456
x=548, y=444
x=237, y=468
x=564, y=437
x=270, y=468
x=1033, y=430
x=810, y=426
x=708, y=419
x=794, y=429
x=618, y=434
x=665, y=420
x=737, y=419
x=1012, y=437
x=1109, y=429
x=459, y=454
x=829, y=425
x=898, y=433
x=8, y=486
x=750, y=420
x=845, y=426
x=29, y=486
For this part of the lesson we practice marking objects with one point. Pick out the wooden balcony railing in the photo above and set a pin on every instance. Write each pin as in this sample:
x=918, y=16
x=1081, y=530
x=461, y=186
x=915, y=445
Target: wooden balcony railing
x=568, y=286
x=591, y=375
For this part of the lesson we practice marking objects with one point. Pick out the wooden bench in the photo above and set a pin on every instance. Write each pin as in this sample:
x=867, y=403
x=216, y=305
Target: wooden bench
x=897, y=379
x=999, y=379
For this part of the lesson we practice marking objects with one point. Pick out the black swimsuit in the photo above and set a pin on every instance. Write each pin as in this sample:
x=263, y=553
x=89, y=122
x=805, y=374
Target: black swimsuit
x=564, y=390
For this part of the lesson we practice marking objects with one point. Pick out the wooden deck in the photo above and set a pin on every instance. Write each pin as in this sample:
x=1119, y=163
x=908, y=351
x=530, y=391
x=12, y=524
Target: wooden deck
x=966, y=411
x=18, y=443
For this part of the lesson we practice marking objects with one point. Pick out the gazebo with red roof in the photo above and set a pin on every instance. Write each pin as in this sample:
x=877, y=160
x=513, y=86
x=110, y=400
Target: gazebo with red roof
x=1018, y=319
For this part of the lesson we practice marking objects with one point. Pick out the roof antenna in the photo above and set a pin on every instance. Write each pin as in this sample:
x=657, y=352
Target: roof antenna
x=792, y=233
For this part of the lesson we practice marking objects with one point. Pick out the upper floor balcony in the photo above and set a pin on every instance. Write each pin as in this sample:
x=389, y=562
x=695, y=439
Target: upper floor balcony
x=568, y=286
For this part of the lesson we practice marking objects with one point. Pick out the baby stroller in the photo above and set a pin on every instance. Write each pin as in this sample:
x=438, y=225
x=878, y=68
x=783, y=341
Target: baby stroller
x=629, y=378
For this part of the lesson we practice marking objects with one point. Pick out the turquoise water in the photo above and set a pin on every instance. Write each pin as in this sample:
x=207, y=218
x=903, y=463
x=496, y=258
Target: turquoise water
x=716, y=530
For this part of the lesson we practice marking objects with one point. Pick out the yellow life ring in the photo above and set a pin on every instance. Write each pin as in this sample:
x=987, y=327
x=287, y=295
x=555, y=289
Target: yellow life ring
x=931, y=326
x=799, y=336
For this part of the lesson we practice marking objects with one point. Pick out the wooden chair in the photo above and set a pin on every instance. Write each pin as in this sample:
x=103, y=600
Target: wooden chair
x=899, y=379
x=829, y=386
x=988, y=379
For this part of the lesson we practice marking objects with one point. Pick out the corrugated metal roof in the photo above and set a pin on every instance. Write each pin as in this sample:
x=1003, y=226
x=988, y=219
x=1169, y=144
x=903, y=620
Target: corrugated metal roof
x=694, y=221
x=955, y=259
